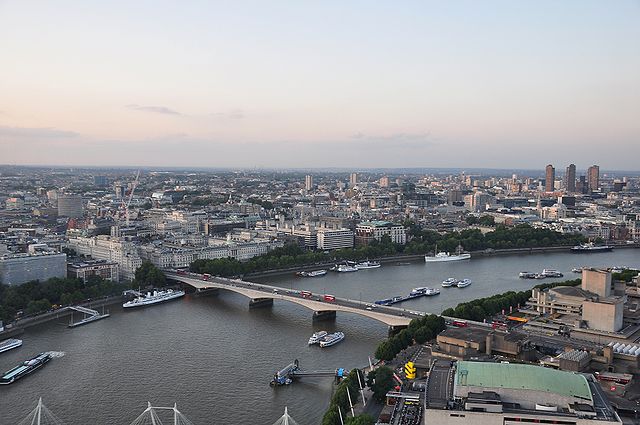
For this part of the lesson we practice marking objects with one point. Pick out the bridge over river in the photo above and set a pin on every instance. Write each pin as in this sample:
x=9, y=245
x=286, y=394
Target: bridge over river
x=322, y=307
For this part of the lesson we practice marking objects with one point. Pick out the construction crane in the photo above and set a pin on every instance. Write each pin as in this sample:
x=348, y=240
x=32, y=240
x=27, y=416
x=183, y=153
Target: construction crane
x=127, y=201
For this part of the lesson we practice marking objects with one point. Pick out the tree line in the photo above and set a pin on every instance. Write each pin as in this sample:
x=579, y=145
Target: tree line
x=482, y=308
x=419, y=330
x=37, y=297
x=421, y=242
x=340, y=400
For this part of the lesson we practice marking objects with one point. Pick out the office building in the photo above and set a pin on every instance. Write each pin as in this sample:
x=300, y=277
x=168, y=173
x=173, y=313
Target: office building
x=329, y=239
x=353, y=179
x=70, y=205
x=593, y=178
x=384, y=182
x=367, y=231
x=308, y=182
x=485, y=393
x=107, y=270
x=550, y=178
x=100, y=181
x=16, y=269
x=570, y=178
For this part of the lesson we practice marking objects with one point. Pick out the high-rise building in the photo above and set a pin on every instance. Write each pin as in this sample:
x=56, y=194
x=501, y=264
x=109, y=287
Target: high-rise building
x=353, y=179
x=100, y=181
x=581, y=186
x=570, y=178
x=550, y=178
x=70, y=205
x=308, y=182
x=593, y=178
x=16, y=269
x=384, y=181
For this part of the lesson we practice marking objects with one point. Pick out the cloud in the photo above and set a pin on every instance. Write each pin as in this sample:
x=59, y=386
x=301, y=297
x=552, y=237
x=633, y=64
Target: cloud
x=36, y=132
x=156, y=109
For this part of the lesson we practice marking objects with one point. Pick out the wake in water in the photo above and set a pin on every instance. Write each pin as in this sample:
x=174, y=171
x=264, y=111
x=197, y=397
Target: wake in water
x=56, y=354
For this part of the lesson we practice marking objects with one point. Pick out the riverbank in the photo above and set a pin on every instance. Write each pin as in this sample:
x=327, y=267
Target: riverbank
x=18, y=327
x=420, y=257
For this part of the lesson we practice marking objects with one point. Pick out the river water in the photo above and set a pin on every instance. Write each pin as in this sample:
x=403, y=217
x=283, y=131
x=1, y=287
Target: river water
x=214, y=357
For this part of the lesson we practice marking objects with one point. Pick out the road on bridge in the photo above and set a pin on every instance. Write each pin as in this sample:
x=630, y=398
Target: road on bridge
x=318, y=302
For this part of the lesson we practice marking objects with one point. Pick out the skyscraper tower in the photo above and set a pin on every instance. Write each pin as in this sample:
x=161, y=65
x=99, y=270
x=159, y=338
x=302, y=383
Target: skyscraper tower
x=570, y=178
x=593, y=178
x=353, y=179
x=308, y=182
x=550, y=178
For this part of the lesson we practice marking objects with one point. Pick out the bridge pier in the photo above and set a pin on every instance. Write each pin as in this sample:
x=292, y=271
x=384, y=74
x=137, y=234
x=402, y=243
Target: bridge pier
x=260, y=302
x=206, y=291
x=324, y=315
x=394, y=330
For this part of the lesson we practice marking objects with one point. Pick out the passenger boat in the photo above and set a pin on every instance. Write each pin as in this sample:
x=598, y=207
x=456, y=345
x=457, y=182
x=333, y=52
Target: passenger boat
x=551, y=273
x=9, y=344
x=463, y=283
x=25, y=368
x=317, y=337
x=577, y=270
x=591, y=247
x=367, y=265
x=315, y=273
x=345, y=268
x=153, y=298
x=332, y=339
x=386, y=301
x=449, y=282
x=445, y=256
x=429, y=292
x=527, y=275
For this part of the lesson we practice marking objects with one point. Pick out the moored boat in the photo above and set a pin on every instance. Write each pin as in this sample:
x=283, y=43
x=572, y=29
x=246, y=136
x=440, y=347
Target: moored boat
x=447, y=283
x=9, y=344
x=429, y=292
x=527, y=275
x=463, y=283
x=551, y=273
x=332, y=339
x=345, y=268
x=367, y=265
x=446, y=256
x=317, y=337
x=591, y=247
x=316, y=273
x=154, y=297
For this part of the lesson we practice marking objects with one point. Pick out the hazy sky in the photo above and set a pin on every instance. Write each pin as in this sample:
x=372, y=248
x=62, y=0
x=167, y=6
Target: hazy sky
x=320, y=83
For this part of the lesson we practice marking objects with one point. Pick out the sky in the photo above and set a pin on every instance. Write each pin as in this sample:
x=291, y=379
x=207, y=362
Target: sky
x=333, y=83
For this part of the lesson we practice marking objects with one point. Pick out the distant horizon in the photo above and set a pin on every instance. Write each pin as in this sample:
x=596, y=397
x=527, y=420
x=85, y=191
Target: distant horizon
x=391, y=170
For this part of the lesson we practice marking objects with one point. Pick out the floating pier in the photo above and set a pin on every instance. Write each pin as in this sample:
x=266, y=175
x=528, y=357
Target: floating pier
x=90, y=315
x=286, y=375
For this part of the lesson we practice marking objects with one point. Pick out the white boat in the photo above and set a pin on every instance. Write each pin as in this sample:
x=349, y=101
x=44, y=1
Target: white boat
x=551, y=273
x=9, y=344
x=445, y=256
x=153, y=298
x=345, y=268
x=429, y=292
x=577, y=270
x=317, y=337
x=526, y=275
x=367, y=265
x=332, y=339
x=463, y=283
x=315, y=273
x=449, y=282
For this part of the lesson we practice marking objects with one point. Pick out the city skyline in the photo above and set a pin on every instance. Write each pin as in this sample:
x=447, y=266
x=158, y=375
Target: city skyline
x=427, y=85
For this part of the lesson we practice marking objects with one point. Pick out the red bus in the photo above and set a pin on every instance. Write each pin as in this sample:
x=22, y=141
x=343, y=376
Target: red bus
x=330, y=298
x=459, y=324
x=305, y=294
x=206, y=276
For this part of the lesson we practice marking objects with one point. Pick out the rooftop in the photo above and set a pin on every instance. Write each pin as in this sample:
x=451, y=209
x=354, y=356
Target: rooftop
x=522, y=377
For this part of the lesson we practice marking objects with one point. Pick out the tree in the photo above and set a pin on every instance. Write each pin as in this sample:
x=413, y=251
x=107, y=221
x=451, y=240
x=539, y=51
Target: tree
x=149, y=275
x=382, y=382
x=363, y=419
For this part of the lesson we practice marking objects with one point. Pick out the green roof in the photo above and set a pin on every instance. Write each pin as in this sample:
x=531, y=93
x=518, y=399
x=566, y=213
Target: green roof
x=522, y=377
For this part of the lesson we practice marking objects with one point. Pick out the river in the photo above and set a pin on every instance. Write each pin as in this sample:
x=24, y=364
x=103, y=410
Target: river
x=214, y=357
